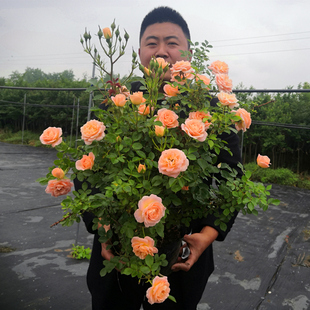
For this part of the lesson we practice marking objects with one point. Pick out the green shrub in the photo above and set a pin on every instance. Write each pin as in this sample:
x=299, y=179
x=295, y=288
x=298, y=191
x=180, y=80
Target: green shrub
x=79, y=252
x=281, y=176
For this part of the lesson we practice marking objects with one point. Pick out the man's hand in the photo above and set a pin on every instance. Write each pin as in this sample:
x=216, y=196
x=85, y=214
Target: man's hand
x=197, y=243
x=106, y=254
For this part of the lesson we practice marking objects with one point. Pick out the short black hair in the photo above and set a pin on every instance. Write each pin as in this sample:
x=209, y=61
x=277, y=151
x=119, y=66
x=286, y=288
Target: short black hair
x=164, y=14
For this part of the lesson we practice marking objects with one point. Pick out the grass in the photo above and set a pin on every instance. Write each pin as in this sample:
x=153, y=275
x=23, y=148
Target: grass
x=281, y=176
x=29, y=138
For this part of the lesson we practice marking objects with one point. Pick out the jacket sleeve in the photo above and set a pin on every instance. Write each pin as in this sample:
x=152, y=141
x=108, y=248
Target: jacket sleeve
x=232, y=140
x=86, y=216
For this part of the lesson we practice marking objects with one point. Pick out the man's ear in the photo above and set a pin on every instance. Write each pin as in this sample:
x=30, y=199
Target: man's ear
x=139, y=53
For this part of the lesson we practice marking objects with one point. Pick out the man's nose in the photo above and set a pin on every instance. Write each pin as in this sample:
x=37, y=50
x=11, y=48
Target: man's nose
x=162, y=51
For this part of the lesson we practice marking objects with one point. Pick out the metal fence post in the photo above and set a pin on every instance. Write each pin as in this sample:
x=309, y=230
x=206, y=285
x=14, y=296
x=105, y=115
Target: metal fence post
x=24, y=116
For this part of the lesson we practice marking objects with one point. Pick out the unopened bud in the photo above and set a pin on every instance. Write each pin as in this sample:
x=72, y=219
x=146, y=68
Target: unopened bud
x=100, y=33
x=126, y=36
x=107, y=33
x=117, y=32
x=141, y=168
x=113, y=25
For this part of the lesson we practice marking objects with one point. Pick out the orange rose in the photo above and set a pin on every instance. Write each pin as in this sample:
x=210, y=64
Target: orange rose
x=195, y=128
x=201, y=115
x=51, y=136
x=203, y=78
x=107, y=33
x=224, y=83
x=159, y=291
x=172, y=162
x=58, y=187
x=171, y=91
x=143, y=247
x=150, y=210
x=168, y=118
x=119, y=100
x=159, y=131
x=123, y=90
x=183, y=70
x=92, y=130
x=86, y=163
x=219, y=67
x=143, y=109
x=228, y=99
x=162, y=62
x=263, y=161
x=137, y=98
x=58, y=173
x=141, y=168
x=185, y=188
x=245, y=121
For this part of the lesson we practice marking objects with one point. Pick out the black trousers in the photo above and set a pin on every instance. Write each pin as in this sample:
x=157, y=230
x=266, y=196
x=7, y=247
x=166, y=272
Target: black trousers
x=119, y=292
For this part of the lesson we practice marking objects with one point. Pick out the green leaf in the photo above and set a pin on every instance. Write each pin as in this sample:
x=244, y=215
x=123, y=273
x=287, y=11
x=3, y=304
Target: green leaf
x=223, y=226
x=137, y=146
x=145, y=269
x=141, y=154
x=149, y=260
x=127, y=271
x=172, y=298
x=191, y=157
x=160, y=229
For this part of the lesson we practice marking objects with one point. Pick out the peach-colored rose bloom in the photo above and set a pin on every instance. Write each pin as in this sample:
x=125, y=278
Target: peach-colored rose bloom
x=172, y=162
x=159, y=291
x=137, y=98
x=245, y=121
x=86, y=163
x=195, y=128
x=58, y=173
x=263, y=161
x=107, y=32
x=203, y=78
x=141, y=168
x=58, y=187
x=219, y=67
x=143, y=247
x=201, y=115
x=92, y=130
x=119, y=100
x=159, y=131
x=183, y=70
x=150, y=210
x=51, y=136
x=143, y=109
x=185, y=188
x=171, y=91
x=229, y=100
x=168, y=118
x=162, y=62
x=224, y=83
x=123, y=90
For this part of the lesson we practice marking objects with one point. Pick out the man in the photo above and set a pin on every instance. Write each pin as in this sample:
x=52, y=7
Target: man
x=163, y=34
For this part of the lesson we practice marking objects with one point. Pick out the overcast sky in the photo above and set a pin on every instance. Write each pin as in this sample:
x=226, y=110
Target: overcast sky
x=266, y=43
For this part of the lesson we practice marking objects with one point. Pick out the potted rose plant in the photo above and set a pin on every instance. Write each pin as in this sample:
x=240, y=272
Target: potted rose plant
x=145, y=162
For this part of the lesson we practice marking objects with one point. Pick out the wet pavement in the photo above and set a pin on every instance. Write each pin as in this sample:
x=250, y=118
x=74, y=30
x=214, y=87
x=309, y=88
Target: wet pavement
x=263, y=264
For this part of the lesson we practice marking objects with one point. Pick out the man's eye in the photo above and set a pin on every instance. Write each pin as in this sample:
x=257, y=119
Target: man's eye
x=151, y=44
x=172, y=43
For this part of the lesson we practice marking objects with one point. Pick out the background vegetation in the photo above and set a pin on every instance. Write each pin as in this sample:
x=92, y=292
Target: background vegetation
x=287, y=146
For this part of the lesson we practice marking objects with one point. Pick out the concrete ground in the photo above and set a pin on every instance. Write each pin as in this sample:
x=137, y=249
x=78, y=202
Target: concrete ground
x=263, y=264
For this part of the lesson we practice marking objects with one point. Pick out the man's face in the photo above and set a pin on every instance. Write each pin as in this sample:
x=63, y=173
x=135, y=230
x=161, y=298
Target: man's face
x=163, y=40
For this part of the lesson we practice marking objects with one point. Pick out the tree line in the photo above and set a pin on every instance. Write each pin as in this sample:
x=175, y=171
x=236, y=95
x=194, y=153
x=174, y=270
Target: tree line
x=287, y=146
